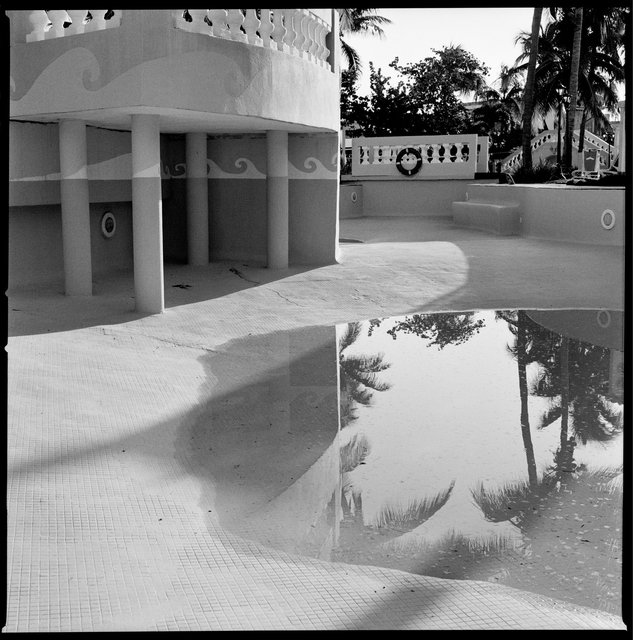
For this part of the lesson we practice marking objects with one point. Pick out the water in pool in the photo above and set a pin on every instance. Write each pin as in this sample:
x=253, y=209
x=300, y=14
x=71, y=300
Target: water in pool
x=483, y=446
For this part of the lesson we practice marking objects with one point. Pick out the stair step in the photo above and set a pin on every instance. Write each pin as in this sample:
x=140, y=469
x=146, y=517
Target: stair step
x=504, y=219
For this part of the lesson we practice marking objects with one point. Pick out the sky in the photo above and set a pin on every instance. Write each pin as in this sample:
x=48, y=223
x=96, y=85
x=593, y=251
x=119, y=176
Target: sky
x=487, y=33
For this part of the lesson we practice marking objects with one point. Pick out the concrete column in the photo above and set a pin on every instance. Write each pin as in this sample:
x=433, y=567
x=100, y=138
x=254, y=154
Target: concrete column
x=147, y=215
x=75, y=208
x=277, y=198
x=197, y=199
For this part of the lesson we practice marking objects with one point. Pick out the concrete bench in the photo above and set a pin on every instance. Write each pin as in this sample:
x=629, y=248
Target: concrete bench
x=500, y=218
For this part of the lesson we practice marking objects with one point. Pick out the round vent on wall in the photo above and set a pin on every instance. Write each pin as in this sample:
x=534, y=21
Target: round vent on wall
x=607, y=219
x=603, y=318
x=354, y=196
x=108, y=224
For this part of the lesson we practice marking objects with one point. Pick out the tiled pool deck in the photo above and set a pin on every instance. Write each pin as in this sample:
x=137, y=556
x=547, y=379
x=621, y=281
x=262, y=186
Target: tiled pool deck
x=108, y=528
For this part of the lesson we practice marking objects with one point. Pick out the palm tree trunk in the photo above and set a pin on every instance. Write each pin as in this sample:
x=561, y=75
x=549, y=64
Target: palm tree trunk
x=523, y=391
x=573, y=87
x=528, y=92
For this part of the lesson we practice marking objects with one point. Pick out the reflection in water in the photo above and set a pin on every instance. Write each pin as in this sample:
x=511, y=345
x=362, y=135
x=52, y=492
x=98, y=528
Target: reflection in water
x=480, y=446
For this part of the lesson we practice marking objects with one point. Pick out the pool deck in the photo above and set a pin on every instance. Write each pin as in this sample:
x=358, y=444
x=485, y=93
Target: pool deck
x=106, y=527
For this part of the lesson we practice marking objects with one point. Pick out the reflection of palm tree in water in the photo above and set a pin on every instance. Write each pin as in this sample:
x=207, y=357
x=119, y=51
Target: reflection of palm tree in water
x=575, y=376
x=576, y=379
x=522, y=351
x=358, y=375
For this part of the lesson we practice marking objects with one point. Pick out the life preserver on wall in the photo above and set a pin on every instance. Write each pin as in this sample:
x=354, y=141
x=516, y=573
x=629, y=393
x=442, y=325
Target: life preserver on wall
x=408, y=161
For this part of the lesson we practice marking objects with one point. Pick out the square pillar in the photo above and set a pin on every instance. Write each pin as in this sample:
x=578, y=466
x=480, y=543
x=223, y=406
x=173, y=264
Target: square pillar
x=277, y=198
x=147, y=215
x=197, y=199
x=75, y=203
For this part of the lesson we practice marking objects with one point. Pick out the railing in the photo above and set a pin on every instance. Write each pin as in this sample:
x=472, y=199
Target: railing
x=592, y=142
x=58, y=23
x=299, y=32
x=450, y=156
x=515, y=159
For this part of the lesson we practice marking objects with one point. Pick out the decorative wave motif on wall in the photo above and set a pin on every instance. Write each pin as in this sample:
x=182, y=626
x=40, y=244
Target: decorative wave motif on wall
x=316, y=170
x=247, y=170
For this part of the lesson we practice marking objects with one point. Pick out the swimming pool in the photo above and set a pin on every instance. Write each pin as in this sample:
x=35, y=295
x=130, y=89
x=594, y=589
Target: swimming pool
x=479, y=445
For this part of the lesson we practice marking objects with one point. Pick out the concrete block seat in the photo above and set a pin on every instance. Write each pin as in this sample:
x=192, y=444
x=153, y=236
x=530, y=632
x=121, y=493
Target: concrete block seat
x=502, y=218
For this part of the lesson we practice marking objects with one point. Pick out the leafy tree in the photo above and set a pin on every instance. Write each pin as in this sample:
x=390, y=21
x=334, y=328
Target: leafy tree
x=441, y=329
x=499, y=115
x=435, y=84
x=424, y=99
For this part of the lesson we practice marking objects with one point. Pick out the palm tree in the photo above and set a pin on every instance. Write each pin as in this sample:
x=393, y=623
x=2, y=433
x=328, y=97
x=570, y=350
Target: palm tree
x=365, y=21
x=600, y=64
x=573, y=88
x=528, y=92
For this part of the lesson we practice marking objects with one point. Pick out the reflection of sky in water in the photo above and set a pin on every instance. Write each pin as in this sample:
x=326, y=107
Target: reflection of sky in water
x=452, y=415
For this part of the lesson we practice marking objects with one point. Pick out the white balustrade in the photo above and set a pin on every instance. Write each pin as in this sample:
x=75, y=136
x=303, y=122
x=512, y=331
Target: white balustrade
x=299, y=32
x=442, y=156
x=49, y=24
x=592, y=142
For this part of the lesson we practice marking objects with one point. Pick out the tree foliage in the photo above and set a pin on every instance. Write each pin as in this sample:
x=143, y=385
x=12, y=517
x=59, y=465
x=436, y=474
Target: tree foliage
x=424, y=99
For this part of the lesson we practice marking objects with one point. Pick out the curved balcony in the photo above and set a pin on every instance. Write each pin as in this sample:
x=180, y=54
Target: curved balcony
x=221, y=70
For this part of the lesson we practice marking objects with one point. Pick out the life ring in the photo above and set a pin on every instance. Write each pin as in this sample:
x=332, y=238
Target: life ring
x=409, y=169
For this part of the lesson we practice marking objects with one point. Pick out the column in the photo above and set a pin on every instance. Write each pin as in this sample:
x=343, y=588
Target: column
x=147, y=215
x=197, y=199
x=277, y=198
x=75, y=203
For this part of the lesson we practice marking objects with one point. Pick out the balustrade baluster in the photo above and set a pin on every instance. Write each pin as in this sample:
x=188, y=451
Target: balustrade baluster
x=38, y=20
x=313, y=45
x=218, y=19
x=300, y=24
x=98, y=20
x=266, y=28
x=76, y=17
x=279, y=31
x=291, y=33
x=323, y=52
x=197, y=24
x=435, y=156
x=235, y=20
x=251, y=24
x=458, y=152
x=57, y=18
x=114, y=20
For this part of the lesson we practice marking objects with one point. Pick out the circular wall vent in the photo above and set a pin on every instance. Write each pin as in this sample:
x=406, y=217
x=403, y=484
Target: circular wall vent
x=354, y=196
x=603, y=318
x=108, y=224
x=607, y=219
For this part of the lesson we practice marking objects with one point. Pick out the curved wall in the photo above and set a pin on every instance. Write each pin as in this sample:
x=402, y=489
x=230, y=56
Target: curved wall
x=147, y=62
